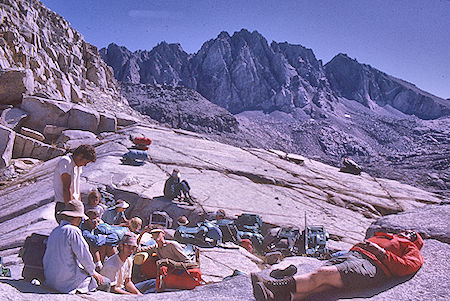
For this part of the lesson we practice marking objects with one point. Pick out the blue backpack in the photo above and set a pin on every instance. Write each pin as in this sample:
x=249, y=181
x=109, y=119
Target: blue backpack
x=205, y=234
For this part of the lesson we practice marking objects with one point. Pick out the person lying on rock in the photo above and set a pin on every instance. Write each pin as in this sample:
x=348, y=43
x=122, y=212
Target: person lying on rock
x=94, y=199
x=175, y=188
x=116, y=214
x=117, y=269
x=168, y=251
x=100, y=245
x=68, y=264
x=67, y=175
x=366, y=265
x=133, y=225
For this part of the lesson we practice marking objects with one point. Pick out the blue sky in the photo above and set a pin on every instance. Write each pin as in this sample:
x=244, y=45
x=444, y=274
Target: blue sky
x=409, y=39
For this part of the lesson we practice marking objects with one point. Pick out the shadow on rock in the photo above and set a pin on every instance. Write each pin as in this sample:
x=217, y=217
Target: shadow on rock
x=26, y=287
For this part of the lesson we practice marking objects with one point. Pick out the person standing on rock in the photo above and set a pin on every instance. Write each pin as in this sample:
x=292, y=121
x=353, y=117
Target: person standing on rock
x=67, y=176
x=366, y=265
x=68, y=264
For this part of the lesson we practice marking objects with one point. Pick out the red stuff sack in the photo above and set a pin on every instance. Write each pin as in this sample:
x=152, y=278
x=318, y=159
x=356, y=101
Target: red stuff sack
x=247, y=244
x=148, y=268
x=142, y=140
x=178, y=279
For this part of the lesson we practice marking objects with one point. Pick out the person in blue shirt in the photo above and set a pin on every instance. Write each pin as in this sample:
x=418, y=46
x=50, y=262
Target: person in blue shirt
x=100, y=245
x=116, y=214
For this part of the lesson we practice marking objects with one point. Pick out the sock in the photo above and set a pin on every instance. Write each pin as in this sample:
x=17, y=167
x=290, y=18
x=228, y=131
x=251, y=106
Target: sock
x=98, y=265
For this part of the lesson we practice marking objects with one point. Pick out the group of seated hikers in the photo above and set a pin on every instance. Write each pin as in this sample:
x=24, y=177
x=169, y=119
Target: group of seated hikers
x=84, y=253
x=95, y=247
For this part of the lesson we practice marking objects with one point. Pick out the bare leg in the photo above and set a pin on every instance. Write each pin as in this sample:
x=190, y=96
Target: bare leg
x=110, y=251
x=323, y=278
x=322, y=288
x=95, y=253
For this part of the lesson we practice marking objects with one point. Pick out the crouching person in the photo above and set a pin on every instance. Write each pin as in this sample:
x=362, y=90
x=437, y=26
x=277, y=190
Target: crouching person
x=68, y=264
x=118, y=267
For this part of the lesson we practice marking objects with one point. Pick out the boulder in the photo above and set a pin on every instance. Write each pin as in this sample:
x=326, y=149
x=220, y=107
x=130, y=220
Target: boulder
x=7, y=137
x=125, y=120
x=32, y=134
x=52, y=132
x=13, y=118
x=430, y=222
x=43, y=111
x=108, y=123
x=81, y=118
x=26, y=147
x=14, y=83
x=71, y=139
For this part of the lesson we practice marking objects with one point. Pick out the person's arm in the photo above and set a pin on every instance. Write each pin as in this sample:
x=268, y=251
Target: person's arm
x=407, y=264
x=129, y=285
x=98, y=278
x=66, y=180
x=177, y=248
x=81, y=251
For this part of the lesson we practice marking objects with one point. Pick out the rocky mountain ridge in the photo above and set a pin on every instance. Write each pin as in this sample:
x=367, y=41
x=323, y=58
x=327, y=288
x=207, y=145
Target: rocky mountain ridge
x=242, y=72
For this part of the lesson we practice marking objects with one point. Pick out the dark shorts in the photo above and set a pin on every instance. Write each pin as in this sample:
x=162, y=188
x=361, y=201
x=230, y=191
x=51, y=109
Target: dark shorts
x=357, y=270
x=59, y=207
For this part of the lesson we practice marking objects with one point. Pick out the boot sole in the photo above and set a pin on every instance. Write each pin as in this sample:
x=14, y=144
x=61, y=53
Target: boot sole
x=259, y=292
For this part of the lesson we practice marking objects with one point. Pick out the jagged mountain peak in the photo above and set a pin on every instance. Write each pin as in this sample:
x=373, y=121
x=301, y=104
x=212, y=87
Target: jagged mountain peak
x=242, y=72
x=372, y=87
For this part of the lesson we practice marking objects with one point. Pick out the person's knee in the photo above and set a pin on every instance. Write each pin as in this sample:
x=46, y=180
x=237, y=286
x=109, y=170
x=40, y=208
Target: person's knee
x=327, y=275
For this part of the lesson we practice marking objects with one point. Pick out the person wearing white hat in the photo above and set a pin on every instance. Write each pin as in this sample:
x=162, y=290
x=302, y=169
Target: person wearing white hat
x=66, y=251
x=116, y=214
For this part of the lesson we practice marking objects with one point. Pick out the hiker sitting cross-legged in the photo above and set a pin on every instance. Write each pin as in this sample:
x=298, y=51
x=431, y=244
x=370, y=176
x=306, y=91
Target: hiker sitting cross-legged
x=100, y=245
x=176, y=188
x=366, y=265
x=68, y=264
x=117, y=269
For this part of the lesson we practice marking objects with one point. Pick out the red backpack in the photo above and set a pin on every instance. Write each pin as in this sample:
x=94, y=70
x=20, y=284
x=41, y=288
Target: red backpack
x=178, y=278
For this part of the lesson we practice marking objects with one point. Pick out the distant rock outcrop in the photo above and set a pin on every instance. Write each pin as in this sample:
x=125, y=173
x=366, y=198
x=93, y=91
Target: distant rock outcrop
x=372, y=87
x=179, y=107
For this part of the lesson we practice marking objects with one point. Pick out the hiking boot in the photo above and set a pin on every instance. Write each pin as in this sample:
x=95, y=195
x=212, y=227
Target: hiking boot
x=280, y=274
x=272, y=289
x=262, y=293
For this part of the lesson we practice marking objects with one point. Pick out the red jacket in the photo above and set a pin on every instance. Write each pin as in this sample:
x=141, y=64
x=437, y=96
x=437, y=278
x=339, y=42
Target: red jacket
x=402, y=256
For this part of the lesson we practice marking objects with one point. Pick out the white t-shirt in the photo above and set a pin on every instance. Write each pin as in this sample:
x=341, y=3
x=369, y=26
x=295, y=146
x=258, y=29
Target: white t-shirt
x=116, y=270
x=67, y=165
